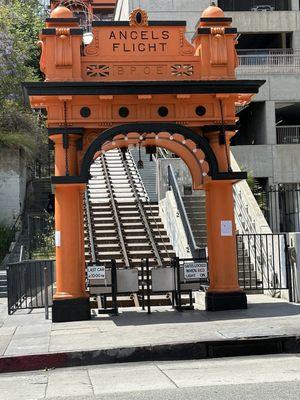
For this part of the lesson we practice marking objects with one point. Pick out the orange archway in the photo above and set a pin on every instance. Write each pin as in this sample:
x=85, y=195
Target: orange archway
x=141, y=81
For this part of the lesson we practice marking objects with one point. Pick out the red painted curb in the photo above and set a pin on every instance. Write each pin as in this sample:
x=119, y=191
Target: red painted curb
x=163, y=352
x=33, y=362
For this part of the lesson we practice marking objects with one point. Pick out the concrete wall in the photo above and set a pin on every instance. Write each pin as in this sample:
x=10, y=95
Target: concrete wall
x=12, y=184
x=191, y=10
x=278, y=87
x=281, y=163
x=277, y=21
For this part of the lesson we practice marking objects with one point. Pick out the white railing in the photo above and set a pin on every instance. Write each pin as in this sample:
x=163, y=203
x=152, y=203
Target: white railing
x=269, y=52
x=280, y=62
x=288, y=134
x=257, y=236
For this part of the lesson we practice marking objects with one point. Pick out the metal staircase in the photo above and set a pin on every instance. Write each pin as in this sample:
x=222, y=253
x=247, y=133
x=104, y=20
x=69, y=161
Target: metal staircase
x=124, y=224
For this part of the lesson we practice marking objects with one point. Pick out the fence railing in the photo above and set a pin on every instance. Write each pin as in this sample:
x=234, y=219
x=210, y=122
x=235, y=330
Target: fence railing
x=269, y=63
x=288, y=134
x=269, y=52
x=253, y=5
x=282, y=207
x=263, y=262
x=185, y=220
x=7, y=236
x=26, y=284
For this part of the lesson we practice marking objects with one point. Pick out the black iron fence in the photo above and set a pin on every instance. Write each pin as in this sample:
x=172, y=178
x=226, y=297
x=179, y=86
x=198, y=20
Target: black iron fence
x=263, y=263
x=44, y=165
x=7, y=236
x=27, y=283
x=281, y=207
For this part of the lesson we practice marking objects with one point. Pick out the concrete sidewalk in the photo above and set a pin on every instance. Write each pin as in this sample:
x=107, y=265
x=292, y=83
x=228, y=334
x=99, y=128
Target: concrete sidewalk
x=135, y=335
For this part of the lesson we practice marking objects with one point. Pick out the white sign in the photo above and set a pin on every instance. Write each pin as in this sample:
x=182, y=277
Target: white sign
x=226, y=228
x=57, y=238
x=195, y=271
x=96, y=272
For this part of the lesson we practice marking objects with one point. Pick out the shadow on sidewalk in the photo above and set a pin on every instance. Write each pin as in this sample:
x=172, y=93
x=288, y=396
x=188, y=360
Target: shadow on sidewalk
x=165, y=315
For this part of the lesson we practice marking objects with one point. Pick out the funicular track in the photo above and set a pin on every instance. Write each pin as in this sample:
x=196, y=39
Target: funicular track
x=124, y=225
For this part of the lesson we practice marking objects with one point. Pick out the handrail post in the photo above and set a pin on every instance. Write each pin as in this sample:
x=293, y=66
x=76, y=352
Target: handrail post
x=148, y=286
x=46, y=284
x=114, y=284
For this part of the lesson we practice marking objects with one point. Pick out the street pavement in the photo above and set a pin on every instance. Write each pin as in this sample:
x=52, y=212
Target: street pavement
x=26, y=333
x=274, y=377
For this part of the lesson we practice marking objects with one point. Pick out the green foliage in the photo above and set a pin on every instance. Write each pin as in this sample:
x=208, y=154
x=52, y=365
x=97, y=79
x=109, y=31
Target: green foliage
x=257, y=191
x=6, y=237
x=44, y=240
x=20, y=24
x=20, y=129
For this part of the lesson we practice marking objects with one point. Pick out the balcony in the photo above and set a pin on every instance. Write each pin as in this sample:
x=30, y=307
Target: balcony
x=270, y=61
x=288, y=134
x=255, y=5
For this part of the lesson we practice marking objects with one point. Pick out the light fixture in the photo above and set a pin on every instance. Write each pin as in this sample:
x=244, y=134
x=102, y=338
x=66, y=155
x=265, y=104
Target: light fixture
x=87, y=38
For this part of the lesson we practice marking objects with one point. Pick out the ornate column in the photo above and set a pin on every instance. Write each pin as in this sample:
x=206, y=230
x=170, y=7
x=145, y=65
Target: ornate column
x=224, y=292
x=71, y=302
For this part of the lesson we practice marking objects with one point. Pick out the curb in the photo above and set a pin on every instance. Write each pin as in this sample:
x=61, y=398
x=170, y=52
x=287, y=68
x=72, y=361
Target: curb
x=166, y=352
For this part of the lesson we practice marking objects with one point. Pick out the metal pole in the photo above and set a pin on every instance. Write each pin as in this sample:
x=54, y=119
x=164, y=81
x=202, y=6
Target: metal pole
x=288, y=269
x=143, y=285
x=179, y=308
x=114, y=286
x=46, y=284
x=148, y=286
x=21, y=253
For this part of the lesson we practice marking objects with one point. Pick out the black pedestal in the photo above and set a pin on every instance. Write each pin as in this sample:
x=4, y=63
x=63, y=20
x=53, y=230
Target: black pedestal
x=71, y=310
x=218, y=301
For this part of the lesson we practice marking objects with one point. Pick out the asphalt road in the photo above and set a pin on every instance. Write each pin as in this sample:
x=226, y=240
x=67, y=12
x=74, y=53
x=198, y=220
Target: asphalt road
x=257, y=377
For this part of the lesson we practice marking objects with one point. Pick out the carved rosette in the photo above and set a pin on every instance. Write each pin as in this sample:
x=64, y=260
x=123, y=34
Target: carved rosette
x=138, y=17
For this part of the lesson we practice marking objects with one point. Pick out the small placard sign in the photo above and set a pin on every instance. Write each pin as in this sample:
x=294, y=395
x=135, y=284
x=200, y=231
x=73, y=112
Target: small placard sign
x=195, y=271
x=226, y=228
x=96, y=272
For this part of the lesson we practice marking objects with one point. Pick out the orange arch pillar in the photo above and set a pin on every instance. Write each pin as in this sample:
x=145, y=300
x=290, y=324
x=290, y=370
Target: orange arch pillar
x=224, y=292
x=70, y=301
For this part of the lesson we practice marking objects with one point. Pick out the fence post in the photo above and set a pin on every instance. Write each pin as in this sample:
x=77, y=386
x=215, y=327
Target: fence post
x=148, y=286
x=114, y=284
x=179, y=306
x=288, y=269
x=46, y=284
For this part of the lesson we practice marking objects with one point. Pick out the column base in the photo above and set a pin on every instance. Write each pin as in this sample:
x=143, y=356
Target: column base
x=220, y=301
x=71, y=310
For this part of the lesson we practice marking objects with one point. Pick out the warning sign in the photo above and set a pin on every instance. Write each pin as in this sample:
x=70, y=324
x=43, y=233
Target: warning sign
x=96, y=272
x=195, y=271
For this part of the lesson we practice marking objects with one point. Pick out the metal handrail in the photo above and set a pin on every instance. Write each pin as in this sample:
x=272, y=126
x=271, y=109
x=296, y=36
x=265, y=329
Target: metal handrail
x=245, y=52
x=143, y=214
x=115, y=212
x=181, y=208
x=286, y=62
x=148, y=202
x=289, y=134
